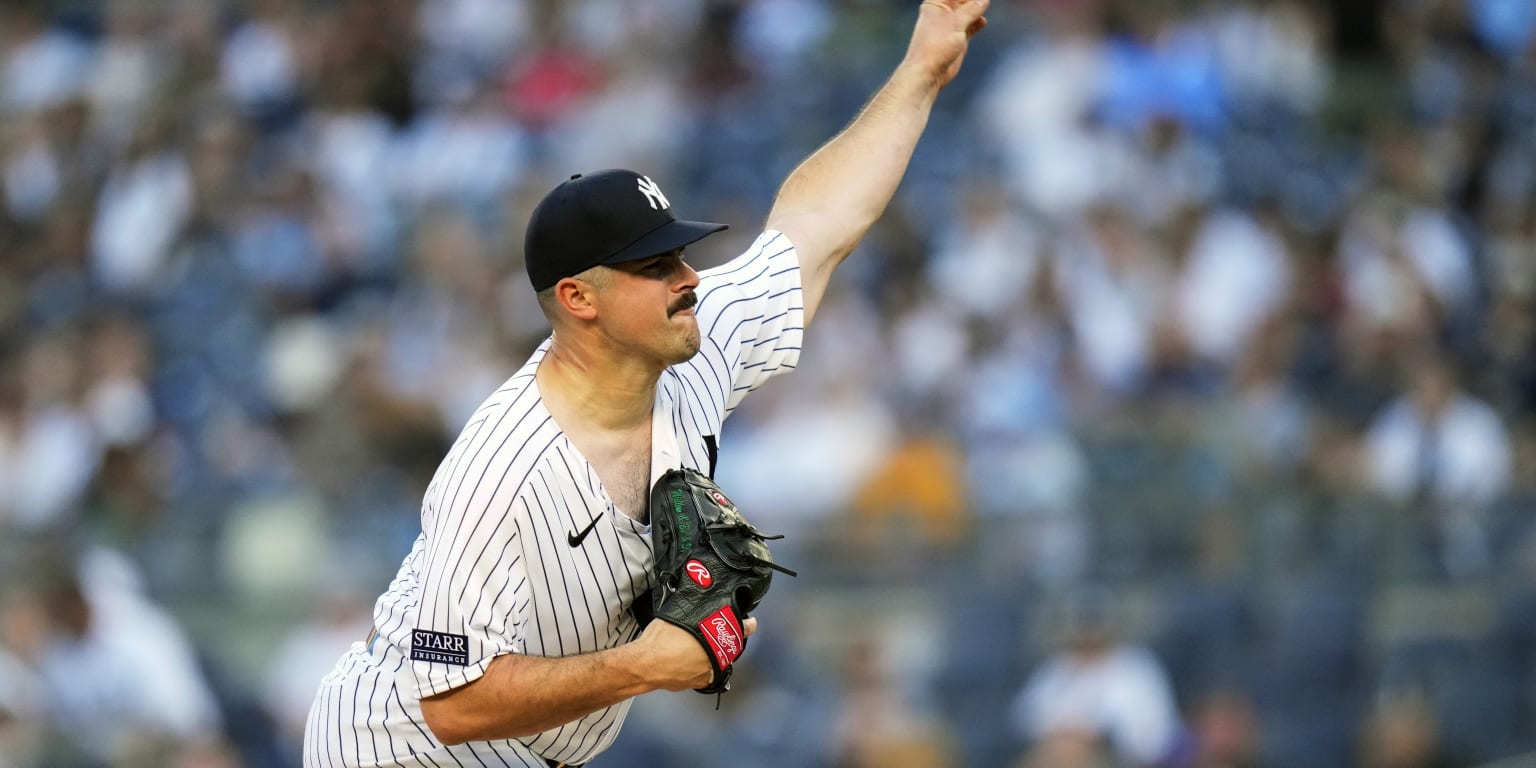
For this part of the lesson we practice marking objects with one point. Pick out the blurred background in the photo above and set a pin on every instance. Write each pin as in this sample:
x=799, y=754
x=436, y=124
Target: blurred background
x=1180, y=412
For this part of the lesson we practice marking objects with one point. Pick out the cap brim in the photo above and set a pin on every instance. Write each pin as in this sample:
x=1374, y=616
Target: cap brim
x=664, y=239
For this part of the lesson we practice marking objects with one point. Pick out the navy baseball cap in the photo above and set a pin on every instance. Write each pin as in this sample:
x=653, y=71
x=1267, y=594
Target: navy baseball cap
x=607, y=217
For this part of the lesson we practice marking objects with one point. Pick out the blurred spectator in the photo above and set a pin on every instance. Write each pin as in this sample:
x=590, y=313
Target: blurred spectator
x=879, y=725
x=1270, y=55
x=1037, y=104
x=1098, y=686
x=464, y=151
x=1401, y=732
x=1439, y=442
x=21, y=690
x=466, y=40
x=261, y=65
x=1439, y=446
x=130, y=68
x=50, y=450
x=1405, y=265
x=1264, y=424
x=116, y=677
x=1235, y=277
x=145, y=202
x=916, y=499
x=1159, y=65
x=43, y=64
x=1069, y=749
x=1114, y=286
x=1224, y=731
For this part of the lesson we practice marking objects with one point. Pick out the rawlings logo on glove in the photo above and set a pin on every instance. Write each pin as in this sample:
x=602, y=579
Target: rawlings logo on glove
x=712, y=566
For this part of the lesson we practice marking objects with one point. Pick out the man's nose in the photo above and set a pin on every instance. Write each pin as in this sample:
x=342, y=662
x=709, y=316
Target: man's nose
x=690, y=278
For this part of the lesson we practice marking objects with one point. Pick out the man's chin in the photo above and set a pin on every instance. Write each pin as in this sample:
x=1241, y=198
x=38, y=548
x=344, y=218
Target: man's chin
x=688, y=346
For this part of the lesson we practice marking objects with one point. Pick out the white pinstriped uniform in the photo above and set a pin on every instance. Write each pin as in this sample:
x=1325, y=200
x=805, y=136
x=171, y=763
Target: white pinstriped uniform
x=493, y=564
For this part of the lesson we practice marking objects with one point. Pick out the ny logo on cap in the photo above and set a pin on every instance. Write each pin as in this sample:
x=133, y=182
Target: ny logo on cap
x=653, y=193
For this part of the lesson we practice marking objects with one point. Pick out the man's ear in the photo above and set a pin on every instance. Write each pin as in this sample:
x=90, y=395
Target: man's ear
x=577, y=297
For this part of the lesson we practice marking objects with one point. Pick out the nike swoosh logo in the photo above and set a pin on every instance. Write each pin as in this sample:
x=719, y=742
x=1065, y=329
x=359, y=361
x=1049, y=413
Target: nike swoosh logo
x=575, y=539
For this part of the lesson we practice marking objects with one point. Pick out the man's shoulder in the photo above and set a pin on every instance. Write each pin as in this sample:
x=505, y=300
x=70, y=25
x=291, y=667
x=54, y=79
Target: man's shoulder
x=519, y=393
x=770, y=244
x=515, y=399
x=510, y=429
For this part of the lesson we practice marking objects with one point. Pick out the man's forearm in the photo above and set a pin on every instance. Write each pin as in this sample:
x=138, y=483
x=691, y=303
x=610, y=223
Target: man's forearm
x=835, y=195
x=523, y=695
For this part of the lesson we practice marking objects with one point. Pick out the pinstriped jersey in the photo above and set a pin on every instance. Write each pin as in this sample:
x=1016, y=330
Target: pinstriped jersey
x=523, y=551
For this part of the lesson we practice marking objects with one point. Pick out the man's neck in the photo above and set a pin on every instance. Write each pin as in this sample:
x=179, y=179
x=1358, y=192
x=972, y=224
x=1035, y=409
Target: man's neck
x=605, y=392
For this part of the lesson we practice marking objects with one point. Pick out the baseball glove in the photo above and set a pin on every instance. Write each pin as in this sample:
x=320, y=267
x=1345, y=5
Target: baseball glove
x=712, y=567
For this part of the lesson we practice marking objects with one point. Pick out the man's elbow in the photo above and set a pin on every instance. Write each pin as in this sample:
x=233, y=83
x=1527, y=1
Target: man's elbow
x=444, y=721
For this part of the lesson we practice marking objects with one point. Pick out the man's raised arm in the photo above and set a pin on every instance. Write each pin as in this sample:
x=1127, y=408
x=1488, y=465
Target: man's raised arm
x=834, y=196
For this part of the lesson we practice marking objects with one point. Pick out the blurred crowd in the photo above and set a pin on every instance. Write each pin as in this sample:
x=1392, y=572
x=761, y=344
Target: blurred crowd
x=1181, y=411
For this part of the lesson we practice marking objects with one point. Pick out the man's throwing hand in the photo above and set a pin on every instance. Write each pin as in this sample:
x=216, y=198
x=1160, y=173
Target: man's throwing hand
x=943, y=32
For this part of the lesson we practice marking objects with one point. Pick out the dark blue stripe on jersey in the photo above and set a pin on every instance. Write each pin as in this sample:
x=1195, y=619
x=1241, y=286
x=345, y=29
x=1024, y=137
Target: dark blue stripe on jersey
x=612, y=721
x=357, y=744
x=733, y=289
x=538, y=626
x=469, y=616
x=398, y=622
x=457, y=565
x=717, y=279
x=322, y=746
x=720, y=374
x=341, y=750
x=722, y=313
x=431, y=553
x=452, y=500
x=606, y=558
x=518, y=751
x=739, y=322
x=708, y=428
x=509, y=585
x=471, y=747
x=555, y=530
x=454, y=458
x=373, y=696
x=469, y=455
x=745, y=261
x=593, y=737
x=550, y=740
x=395, y=691
x=564, y=583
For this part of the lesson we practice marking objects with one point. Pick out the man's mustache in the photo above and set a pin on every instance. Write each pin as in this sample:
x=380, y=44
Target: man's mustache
x=688, y=300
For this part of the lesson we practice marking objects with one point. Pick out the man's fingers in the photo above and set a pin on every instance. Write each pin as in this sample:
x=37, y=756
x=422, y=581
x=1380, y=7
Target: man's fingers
x=965, y=8
x=749, y=626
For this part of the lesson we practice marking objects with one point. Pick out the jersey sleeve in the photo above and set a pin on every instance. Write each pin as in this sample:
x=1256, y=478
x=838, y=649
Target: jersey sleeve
x=752, y=317
x=473, y=587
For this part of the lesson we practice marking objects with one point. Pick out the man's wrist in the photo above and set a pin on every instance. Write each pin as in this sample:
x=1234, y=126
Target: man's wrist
x=915, y=79
x=635, y=668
